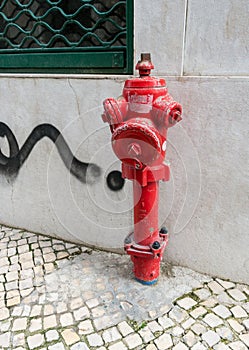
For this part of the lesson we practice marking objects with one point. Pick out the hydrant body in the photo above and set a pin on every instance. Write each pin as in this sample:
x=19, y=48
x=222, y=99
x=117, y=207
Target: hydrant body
x=139, y=120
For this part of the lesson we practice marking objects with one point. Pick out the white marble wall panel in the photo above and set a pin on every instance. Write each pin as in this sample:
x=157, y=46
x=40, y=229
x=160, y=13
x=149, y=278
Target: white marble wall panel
x=209, y=155
x=159, y=27
x=217, y=38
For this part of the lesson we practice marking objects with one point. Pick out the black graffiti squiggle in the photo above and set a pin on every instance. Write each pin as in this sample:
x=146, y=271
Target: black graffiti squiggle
x=85, y=172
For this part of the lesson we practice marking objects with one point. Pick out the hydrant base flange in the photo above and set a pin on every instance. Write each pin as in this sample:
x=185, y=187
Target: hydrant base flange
x=146, y=258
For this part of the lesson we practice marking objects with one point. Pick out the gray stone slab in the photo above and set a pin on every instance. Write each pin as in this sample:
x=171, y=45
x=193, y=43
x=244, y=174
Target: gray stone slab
x=208, y=152
x=217, y=35
x=159, y=30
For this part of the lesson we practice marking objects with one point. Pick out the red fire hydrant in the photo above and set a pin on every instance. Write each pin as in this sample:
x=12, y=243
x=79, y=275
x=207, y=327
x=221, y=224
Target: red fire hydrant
x=139, y=120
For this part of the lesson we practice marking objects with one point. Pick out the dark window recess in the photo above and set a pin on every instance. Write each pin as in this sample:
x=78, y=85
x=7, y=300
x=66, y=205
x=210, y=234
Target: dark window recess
x=66, y=35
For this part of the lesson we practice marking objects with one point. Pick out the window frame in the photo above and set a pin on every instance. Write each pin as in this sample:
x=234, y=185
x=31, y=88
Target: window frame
x=90, y=60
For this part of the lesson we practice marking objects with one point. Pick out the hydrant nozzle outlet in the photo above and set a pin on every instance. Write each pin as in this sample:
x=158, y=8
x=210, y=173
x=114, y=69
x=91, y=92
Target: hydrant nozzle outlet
x=139, y=121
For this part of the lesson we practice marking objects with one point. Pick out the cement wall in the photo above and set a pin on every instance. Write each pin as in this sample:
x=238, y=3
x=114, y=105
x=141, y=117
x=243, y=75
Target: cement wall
x=201, y=48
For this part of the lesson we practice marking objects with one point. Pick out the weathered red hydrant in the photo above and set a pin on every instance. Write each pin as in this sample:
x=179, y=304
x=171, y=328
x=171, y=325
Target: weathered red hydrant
x=139, y=120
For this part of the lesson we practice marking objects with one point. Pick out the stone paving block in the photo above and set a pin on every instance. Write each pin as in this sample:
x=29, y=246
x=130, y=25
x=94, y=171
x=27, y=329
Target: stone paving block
x=35, y=325
x=12, y=293
x=13, y=301
x=146, y=334
x=36, y=310
x=210, y=302
x=222, y=311
x=79, y=346
x=238, y=345
x=190, y=338
x=18, y=339
x=61, y=307
x=5, y=340
x=52, y=335
x=23, y=249
x=117, y=346
x=246, y=307
x=177, y=331
x=133, y=340
x=164, y=342
x=198, y=312
x=111, y=335
x=66, y=319
x=246, y=323
x=151, y=347
x=236, y=325
x=225, y=284
x=26, y=257
x=4, y=313
x=125, y=328
x=215, y=287
x=221, y=346
x=212, y=320
x=165, y=322
x=180, y=346
x=81, y=314
x=225, y=299
x=4, y=269
x=225, y=333
x=98, y=311
x=25, y=284
x=199, y=346
x=154, y=326
x=11, y=251
x=11, y=285
x=76, y=303
x=245, y=338
x=178, y=314
x=11, y=276
x=211, y=338
x=238, y=312
x=85, y=327
x=236, y=294
x=48, y=310
x=188, y=323
x=19, y=324
x=50, y=257
x=26, y=310
x=5, y=325
x=95, y=340
x=70, y=336
x=103, y=322
x=92, y=303
x=186, y=303
x=35, y=341
x=58, y=346
x=49, y=322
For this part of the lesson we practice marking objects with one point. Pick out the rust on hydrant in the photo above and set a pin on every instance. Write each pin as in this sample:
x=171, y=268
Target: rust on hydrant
x=139, y=121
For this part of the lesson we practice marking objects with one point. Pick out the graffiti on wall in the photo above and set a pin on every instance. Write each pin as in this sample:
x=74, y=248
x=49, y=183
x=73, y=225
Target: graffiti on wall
x=10, y=166
x=84, y=172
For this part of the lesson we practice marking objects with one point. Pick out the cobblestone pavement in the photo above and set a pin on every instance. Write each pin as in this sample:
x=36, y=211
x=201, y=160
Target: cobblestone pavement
x=55, y=295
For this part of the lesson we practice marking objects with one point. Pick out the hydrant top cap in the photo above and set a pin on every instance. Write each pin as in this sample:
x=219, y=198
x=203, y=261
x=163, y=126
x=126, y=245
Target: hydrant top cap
x=145, y=80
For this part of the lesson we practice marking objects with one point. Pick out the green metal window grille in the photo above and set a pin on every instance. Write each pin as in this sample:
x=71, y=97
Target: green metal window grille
x=59, y=36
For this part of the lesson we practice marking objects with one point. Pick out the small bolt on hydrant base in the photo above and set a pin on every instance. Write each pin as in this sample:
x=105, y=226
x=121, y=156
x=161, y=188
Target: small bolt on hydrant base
x=139, y=121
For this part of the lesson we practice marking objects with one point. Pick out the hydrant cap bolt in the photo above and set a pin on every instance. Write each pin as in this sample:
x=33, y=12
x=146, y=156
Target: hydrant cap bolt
x=163, y=230
x=156, y=245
